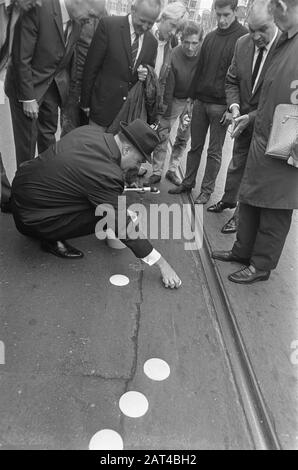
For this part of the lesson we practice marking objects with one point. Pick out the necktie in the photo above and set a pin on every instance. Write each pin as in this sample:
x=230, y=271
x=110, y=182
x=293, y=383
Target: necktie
x=67, y=31
x=134, y=49
x=257, y=66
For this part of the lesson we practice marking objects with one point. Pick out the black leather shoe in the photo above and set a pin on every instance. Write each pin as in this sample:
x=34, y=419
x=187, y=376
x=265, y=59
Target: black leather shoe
x=180, y=189
x=173, y=178
x=61, y=249
x=220, y=206
x=228, y=256
x=6, y=207
x=231, y=226
x=202, y=198
x=249, y=275
x=154, y=179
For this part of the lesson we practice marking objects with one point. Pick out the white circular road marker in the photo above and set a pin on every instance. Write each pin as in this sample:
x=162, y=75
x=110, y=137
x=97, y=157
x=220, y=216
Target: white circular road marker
x=106, y=439
x=157, y=369
x=119, y=280
x=133, y=404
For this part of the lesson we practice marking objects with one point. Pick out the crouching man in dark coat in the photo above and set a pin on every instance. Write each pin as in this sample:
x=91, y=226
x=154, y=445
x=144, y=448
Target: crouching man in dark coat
x=55, y=196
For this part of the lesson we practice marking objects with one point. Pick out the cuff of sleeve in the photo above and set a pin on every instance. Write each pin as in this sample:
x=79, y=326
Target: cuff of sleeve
x=234, y=104
x=26, y=101
x=152, y=258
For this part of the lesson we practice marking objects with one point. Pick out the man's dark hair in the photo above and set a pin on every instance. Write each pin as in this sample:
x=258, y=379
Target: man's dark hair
x=226, y=3
x=190, y=28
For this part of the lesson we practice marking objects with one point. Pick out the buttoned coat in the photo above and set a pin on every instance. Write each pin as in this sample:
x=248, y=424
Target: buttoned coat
x=269, y=182
x=109, y=73
x=238, y=80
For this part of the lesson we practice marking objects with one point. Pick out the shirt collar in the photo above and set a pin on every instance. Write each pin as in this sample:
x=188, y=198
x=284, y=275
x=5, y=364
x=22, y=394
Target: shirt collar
x=64, y=12
x=293, y=31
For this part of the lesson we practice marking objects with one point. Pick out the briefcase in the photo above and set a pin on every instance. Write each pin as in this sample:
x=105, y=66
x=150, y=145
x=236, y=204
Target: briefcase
x=284, y=131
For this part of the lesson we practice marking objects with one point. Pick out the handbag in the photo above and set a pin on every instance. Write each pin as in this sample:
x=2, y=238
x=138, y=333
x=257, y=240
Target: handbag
x=284, y=131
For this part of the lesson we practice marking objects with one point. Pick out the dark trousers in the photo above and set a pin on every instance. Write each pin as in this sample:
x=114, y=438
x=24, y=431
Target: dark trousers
x=205, y=116
x=261, y=235
x=237, y=166
x=29, y=132
x=5, y=189
x=78, y=224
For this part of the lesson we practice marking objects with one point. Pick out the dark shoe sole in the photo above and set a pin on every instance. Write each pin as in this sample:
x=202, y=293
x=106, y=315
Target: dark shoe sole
x=59, y=255
x=234, y=260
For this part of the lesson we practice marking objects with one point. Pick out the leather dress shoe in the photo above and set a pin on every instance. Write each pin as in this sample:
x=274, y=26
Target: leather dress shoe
x=228, y=256
x=202, y=198
x=6, y=207
x=61, y=249
x=220, y=206
x=231, y=226
x=180, y=189
x=249, y=275
x=173, y=178
x=154, y=179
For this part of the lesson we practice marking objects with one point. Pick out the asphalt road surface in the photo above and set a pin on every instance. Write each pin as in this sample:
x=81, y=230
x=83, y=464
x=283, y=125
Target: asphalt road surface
x=74, y=343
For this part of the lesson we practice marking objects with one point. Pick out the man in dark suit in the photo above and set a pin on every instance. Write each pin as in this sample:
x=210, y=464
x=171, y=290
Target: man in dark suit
x=243, y=88
x=65, y=192
x=37, y=80
x=10, y=12
x=121, y=48
x=269, y=187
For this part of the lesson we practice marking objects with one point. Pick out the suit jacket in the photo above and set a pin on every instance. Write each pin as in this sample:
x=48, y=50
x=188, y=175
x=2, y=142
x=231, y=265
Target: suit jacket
x=79, y=173
x=109, y=75
x=40, y=55
x=269, y=182
x=238, y=80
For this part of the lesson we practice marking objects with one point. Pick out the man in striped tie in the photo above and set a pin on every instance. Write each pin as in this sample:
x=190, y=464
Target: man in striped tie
x=120, y=50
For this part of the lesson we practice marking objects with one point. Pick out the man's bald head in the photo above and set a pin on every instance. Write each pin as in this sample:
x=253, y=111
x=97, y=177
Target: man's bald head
x=261, y=23
x=82, y=10
x=144, y=13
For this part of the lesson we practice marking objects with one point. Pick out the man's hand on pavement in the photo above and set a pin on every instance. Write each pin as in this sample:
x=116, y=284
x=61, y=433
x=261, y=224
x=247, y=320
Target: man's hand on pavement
x=31, y=109
x=169, y=277
x=142, y=73
x=241, y=123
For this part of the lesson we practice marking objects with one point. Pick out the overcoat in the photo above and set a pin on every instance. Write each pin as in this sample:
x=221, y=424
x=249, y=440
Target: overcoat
x=268, y=182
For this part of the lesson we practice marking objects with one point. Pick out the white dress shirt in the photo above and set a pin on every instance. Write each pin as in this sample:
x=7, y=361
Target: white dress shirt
x=160, y=51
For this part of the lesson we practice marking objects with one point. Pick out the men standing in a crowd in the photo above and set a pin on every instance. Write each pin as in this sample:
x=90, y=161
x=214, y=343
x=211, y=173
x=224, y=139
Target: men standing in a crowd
x=244, y=81
x=37, y=81
x=269, y=188
x=65, y=192
x=184, y=61
x=120, y=48
x=10, y=11
x=208, y=90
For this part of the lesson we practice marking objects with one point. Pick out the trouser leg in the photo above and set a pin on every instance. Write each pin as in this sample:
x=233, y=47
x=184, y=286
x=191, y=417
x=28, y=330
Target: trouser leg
x=160, y=153
x=272, y=232
x=216, y=142
x=249, y=218
x=24, y=132
x=47, y=121
x=199, y=129
x=5, y=189
x=237, y=167
x=182, y=138
x=74, y=225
